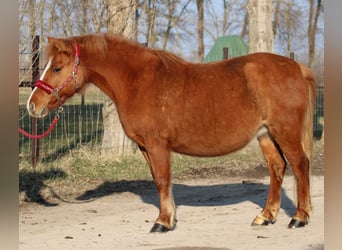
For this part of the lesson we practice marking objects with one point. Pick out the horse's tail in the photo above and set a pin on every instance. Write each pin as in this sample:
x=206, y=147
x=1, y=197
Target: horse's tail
x=307, y=133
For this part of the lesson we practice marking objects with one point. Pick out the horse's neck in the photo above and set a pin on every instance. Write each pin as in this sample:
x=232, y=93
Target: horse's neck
x=111, y=75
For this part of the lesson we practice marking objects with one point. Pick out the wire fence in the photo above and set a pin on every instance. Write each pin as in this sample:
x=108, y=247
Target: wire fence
x=79, y=124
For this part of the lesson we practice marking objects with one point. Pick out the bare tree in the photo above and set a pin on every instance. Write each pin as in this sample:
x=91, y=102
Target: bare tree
x=83, y=29
x=173, y=18
x=288, y=27
x=261, y=37
x=315, y=9
x=170, y=16
x=276, y=17
x=292, y=15
x=136, y=20
x=32, y=16
x=218, y=24
x=287, y=24
x=98, y=11
x=200, y=29
x=244, y=30
x=121, y=16
x=151, y=10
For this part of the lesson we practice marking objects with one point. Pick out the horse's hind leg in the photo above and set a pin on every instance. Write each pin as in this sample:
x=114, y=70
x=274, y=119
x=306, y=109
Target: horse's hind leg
x=158, y=158
x=290, y=144
x=276, y=165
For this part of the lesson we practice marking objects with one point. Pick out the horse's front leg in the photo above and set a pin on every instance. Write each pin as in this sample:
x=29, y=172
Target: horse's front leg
x=157, y=156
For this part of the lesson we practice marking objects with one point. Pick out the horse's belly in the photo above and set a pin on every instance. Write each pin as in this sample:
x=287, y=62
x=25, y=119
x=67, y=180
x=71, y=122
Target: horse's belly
x=214, y=135
x=211, y=146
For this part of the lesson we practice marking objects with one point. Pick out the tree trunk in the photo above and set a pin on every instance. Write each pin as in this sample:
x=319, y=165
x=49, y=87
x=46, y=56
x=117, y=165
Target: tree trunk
x=171, y=6
x=261, y=38
x=312, y=28
x=136, y=20
x=288, y=28
x=200, y=28
x=33, y=29
x=243, y=32
x=151, y=10
x=275, y=23
x=115, y=142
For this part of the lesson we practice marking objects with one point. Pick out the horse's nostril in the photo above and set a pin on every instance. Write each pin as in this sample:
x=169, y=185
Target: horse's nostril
x=31, y=107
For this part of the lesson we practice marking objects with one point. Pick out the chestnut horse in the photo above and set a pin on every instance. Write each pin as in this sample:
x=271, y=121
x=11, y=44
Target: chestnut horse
x=166, y=104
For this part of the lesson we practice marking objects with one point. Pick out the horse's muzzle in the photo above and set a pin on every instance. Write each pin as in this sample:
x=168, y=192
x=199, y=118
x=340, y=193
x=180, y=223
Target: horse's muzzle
x=31, y=108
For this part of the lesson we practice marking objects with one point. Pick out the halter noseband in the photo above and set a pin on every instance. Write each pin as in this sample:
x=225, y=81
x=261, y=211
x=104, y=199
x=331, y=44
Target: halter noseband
x=54, y=91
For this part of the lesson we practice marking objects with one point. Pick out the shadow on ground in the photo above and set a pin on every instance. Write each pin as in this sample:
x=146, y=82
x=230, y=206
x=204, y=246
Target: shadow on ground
x=31, y=183
x=196, y=195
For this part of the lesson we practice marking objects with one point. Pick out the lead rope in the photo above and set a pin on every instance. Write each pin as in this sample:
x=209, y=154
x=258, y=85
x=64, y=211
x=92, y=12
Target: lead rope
x=48, y=131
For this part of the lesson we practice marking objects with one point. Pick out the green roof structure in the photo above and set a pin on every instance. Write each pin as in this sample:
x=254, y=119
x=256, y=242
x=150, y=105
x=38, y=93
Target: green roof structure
x=236, y=47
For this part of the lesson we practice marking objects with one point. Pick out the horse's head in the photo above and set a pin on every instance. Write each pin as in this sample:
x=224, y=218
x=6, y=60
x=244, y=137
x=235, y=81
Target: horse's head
x=61, y=79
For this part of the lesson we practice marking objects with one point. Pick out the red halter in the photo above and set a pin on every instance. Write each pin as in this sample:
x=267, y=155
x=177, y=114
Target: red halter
x=54, y=91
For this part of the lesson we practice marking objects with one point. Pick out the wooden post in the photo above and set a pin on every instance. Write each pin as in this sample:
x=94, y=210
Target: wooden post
x=292, y=56
x=225, y=53
x=35, y=76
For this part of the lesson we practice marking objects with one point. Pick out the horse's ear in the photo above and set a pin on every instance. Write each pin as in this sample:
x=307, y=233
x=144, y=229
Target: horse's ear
x=59, y=44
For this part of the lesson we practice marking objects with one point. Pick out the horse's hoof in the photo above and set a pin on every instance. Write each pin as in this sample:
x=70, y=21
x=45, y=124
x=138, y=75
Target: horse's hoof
x=258, y=221
x=159, y=228
x=294, y=223
x=261, y=223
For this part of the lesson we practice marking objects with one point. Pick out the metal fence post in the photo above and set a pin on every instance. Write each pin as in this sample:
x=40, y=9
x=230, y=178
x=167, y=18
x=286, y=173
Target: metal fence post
x=35, y=76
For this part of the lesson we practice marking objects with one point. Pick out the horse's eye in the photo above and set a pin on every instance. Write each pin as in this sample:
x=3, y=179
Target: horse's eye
x=56, y=70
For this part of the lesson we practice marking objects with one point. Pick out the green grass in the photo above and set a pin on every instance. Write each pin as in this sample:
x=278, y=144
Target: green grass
x=86, y=167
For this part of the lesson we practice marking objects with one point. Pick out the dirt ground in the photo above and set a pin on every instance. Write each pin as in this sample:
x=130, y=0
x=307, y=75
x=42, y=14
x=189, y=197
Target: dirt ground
x=213, y=213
